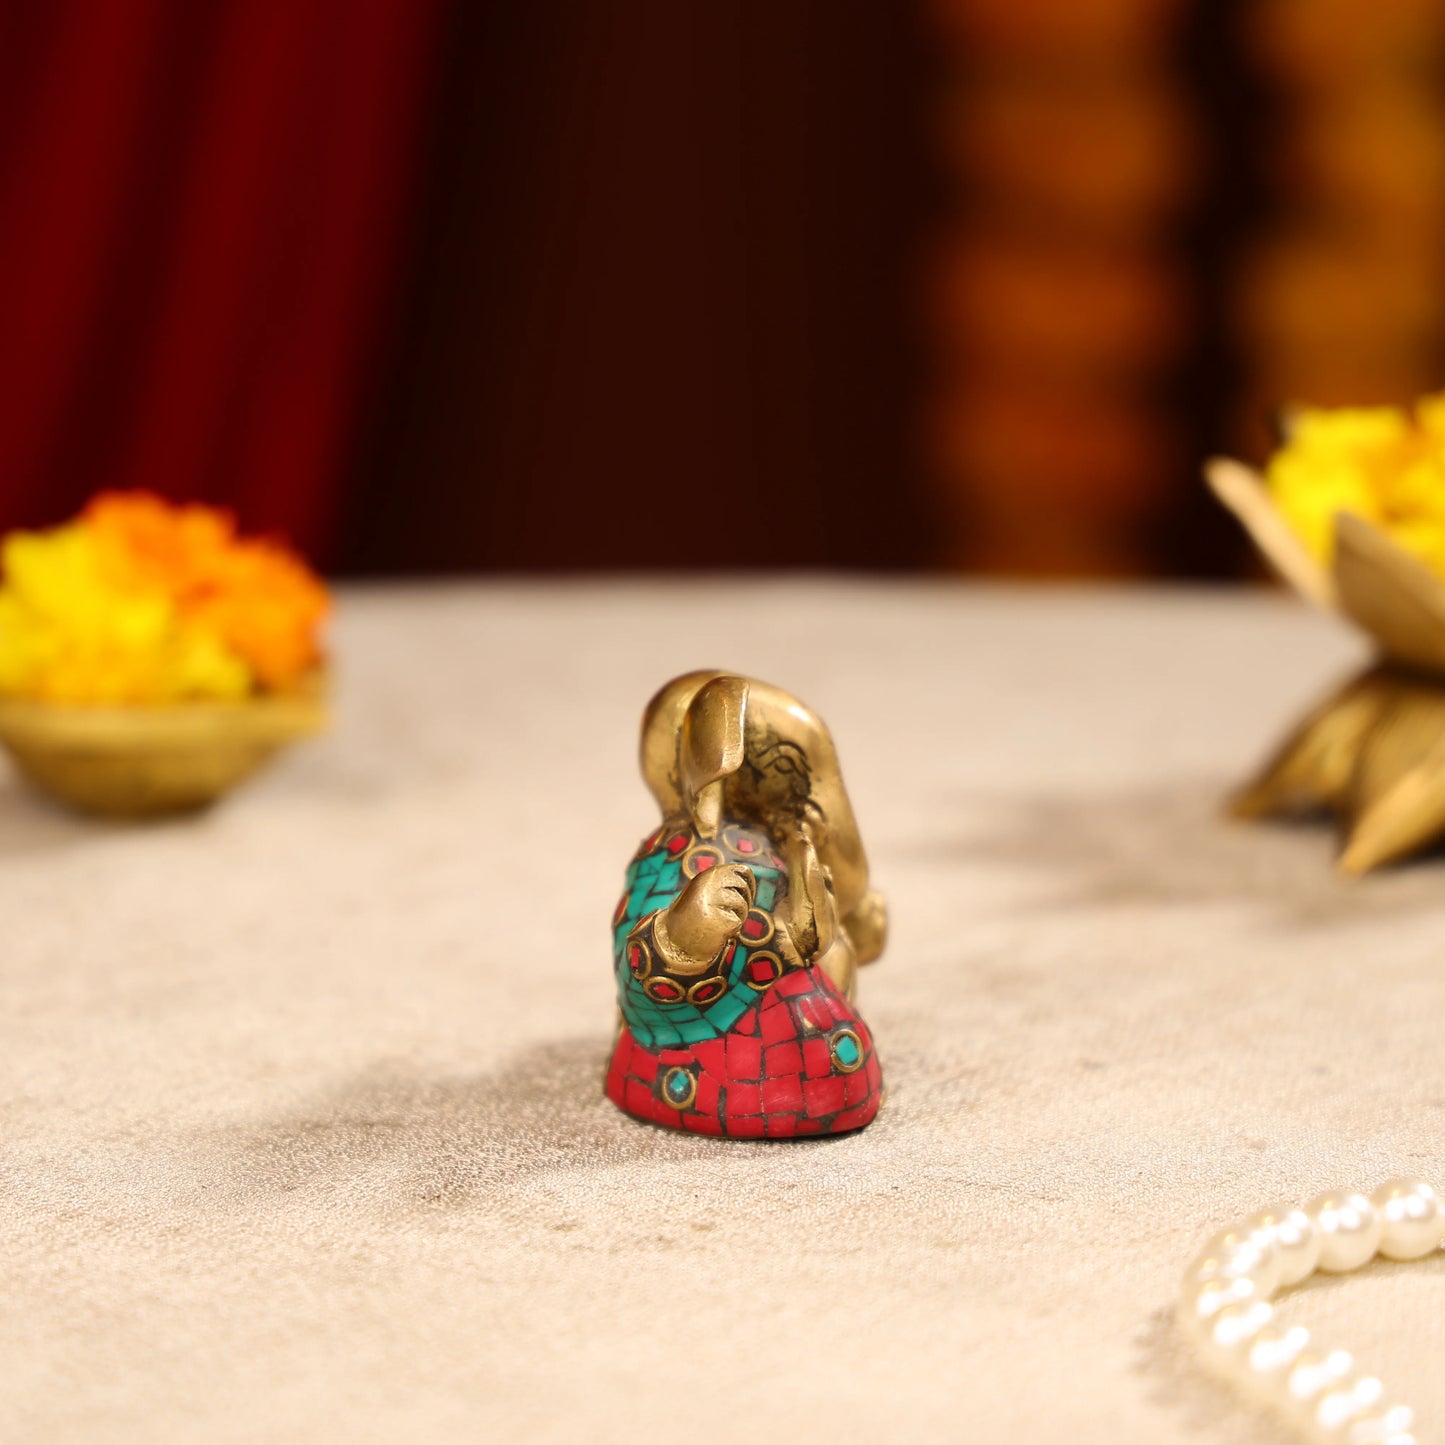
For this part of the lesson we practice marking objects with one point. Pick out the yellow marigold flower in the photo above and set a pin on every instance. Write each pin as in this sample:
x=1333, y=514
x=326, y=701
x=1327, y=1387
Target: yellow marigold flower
x=258, y=597
x=140, y=601
x=1380, y=463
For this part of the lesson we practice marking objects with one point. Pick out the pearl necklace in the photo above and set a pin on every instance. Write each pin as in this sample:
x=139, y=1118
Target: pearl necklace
x=1225, y=1305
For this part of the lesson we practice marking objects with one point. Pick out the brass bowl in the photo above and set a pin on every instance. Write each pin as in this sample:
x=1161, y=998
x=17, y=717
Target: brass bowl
x=147, y=762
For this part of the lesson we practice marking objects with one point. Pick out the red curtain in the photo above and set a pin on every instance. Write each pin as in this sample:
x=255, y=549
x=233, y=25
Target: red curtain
x=200, y=205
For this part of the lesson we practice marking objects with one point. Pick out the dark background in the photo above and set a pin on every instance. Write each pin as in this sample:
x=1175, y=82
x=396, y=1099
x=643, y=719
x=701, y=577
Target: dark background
x=443, y=285
x=658, y=311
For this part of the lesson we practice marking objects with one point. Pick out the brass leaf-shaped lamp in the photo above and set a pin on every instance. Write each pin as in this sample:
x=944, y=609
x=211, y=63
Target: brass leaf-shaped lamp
x=1373, y=751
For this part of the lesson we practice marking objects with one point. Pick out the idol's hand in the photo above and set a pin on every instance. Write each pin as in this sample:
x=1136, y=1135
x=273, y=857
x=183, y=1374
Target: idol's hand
x=810, y=911
x=705, y=915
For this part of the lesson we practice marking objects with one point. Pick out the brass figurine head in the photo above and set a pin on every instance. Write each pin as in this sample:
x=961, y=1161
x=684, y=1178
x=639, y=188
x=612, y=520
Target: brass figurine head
x=721, y=748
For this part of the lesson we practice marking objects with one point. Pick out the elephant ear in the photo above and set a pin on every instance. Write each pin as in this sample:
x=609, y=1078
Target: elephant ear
x=712, y=747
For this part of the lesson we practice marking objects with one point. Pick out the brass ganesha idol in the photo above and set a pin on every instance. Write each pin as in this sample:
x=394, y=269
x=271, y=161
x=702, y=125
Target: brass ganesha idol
x=745, y=916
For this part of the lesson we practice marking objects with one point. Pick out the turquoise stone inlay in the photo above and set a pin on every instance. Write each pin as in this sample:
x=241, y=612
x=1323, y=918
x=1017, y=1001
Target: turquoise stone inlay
x=846, y=1051
x=653, y=881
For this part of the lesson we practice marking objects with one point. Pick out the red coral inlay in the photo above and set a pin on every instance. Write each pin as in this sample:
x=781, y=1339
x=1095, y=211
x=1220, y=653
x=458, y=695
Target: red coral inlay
x=817, y=1058
x=780, y=1059
x=776, y=1022
x=776, y=1086
x=745, y=1057
x=709, y=1053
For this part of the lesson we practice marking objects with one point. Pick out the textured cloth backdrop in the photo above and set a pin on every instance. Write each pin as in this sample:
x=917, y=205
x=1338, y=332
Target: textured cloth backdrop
x=304, y=1138
x=201, y=207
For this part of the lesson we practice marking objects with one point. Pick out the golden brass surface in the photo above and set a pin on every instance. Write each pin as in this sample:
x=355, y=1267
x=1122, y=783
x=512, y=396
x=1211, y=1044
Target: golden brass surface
x=727, y=750
x=1373, y=752
x=703, y=918
x=1392, y=595
x=142, y=762
x=1242, y=490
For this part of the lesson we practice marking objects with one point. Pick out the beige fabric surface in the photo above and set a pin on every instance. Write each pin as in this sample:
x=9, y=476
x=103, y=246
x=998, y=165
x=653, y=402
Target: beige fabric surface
x=303, y=1132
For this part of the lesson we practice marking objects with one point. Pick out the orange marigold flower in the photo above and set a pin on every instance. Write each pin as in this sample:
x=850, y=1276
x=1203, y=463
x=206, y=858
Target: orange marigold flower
x=257, y=596
x=267, y=605
x=151, y=541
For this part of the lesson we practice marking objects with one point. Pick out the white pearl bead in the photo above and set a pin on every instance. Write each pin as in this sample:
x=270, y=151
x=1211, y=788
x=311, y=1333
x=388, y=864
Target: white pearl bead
x=1224, y=1304
x=1339, y=1407
x=1383, y=1425
x=1271, y=1354
x=1311, y=1375
x=1296, y=1240
x=1349, y=1227
x=1412, y=1218
x=1242, y=1252
x=1225, y=1340
x=1201, y=1300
